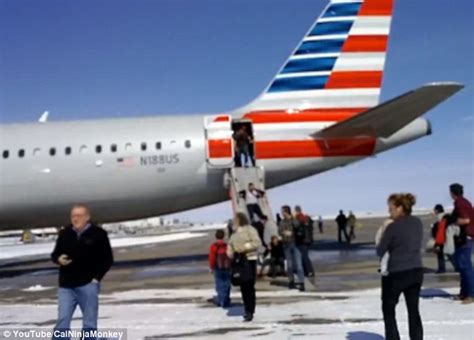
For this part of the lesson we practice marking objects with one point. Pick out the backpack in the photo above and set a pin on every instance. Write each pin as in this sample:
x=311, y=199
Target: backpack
x=222, y=260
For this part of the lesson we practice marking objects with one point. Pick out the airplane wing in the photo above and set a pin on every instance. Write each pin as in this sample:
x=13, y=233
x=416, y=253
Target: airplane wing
x=389, y=117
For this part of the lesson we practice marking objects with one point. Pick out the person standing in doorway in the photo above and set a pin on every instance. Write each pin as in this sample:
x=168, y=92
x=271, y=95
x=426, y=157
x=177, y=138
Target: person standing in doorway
x=242, y=144
x=84, y=256
x=402, y=239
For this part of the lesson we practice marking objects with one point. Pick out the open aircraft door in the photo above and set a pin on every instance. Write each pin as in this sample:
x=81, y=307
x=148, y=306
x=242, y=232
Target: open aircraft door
x=219, y=141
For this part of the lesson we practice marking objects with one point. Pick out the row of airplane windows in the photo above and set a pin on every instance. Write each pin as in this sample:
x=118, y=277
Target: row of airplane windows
x=83, y=149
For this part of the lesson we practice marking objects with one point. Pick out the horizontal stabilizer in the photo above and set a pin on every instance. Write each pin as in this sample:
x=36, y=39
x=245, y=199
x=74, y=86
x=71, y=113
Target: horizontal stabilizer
x=389, y=117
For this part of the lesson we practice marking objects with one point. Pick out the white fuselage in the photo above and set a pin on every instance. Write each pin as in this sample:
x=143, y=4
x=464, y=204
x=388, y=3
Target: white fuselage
x=38, y=188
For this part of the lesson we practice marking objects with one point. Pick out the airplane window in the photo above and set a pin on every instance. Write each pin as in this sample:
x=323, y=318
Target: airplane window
x=5, y=153
x=36, y=151
x=52, y=151
x=143, y=146
x=158, y=145
x=113, y=148
x=187, y=144
x=21, y=153
x=67, y=151
x=98, y=149
x=128, y=147
x=83, y=149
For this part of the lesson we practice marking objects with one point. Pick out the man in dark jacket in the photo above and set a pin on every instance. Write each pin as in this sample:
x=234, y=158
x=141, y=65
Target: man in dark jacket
x=84, y=256
x=304, y=239
x=341, y=221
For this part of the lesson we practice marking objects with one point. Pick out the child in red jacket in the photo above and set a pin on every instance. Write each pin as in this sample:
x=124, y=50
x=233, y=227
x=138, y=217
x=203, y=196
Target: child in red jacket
x=219, y=265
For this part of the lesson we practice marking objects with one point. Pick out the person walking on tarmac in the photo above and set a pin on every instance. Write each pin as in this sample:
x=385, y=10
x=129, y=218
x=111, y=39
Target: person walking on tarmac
x=84, y=256
x=245, y=242
x=286, y=230
x=402, y=239
x=251, y=196
x=351, y=222
x=219, y=265
x=304, y=239
x=341, y=221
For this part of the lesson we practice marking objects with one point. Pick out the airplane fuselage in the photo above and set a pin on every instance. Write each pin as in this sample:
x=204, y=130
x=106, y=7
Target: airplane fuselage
x=130, y=168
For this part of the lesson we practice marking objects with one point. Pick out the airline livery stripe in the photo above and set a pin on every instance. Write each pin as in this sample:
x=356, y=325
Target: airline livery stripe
x=310, y=115
x=220, y=148
x=306, y=65
x=354, y=79
x=325, y=37
x=366, y=43
x=360, y=62
x=338, y=27
x=314, y=148
x=371, y=26
x=341, y=10
x=315, y=55
x=303, y=74
x=298, y=83
x=377, y=7
x=320, y=46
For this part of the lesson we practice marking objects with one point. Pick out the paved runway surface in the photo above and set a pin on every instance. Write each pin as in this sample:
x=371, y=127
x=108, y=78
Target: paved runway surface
x=149, y=286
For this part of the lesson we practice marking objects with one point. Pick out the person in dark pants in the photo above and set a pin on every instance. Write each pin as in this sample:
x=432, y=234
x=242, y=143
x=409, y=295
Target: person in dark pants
x=219, y=265
x=294, y=262
x=245, y=240
x=251, y=197
x=320, y=224
x=341, y=221
x=438, y=212
x=402, y=239
x=463, y=215
x=84, y=256
x=304, y=239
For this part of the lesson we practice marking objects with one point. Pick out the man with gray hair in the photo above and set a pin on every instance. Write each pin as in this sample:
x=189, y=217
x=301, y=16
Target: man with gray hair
x=84, y=256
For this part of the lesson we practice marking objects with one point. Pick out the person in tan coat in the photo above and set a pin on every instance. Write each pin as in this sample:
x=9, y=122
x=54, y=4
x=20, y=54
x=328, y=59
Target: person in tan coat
x=245, y=240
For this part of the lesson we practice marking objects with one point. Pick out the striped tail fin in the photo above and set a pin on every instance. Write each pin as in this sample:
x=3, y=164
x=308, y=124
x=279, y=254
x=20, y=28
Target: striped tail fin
x=337, y=67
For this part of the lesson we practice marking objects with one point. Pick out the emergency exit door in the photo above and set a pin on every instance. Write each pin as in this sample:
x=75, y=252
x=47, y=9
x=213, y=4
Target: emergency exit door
x=219, y=141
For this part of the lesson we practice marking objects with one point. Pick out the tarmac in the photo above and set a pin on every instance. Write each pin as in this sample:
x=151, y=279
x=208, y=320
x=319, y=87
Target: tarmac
x=183, y=264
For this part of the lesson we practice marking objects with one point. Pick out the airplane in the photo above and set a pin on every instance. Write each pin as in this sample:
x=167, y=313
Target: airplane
x=321, y=111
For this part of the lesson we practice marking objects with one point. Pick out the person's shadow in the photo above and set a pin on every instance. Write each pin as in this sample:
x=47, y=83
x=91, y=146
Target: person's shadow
x=363, y=336
x=235, y=309
x=431, y=293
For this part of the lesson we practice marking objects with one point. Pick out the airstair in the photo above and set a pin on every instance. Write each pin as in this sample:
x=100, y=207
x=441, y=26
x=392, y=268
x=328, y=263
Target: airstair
x=237, y=180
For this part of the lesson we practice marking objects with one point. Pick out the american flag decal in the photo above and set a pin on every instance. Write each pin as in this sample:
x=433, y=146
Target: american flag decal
x=126, y=162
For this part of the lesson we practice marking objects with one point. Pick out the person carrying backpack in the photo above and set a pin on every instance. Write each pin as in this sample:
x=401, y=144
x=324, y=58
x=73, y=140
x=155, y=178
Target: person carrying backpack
x=219, y=265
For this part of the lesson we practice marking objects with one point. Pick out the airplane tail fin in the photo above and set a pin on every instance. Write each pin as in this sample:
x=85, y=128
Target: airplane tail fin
x=338, y=64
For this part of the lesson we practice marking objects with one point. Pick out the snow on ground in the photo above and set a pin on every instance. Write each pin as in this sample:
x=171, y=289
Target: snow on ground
x=280, y=315
x=15, y=249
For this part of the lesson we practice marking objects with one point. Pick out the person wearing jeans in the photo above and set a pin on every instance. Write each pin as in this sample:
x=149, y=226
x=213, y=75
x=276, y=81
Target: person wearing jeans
x=84, y=256
x=463, y=215
x=402, y=239
x=219, y=265
x=286, y=230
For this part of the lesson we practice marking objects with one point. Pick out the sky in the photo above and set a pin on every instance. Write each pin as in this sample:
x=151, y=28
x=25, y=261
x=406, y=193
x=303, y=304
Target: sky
x=116, y=58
